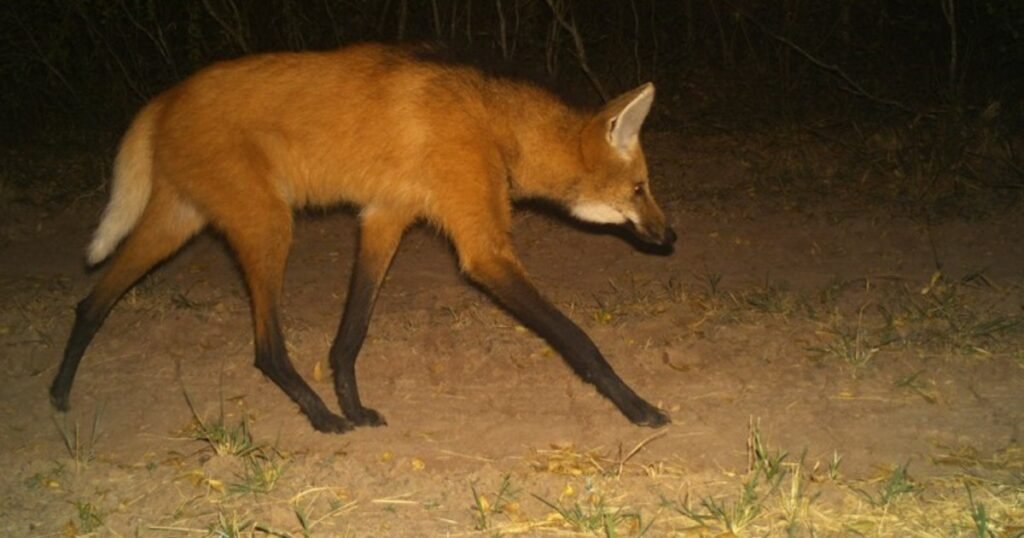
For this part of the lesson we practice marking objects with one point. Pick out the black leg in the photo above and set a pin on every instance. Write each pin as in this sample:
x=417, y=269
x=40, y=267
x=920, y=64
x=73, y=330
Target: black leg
x=515, y=292
x=165, y=226
x=262, y=249
x=87, y=321
x=272, y=359
x=380, y=233
x=349, y=340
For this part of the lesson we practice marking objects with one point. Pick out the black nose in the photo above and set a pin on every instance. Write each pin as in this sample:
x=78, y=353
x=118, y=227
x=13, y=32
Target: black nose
x=670, y=236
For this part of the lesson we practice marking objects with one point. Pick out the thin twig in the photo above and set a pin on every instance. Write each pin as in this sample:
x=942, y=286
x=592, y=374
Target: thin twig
x=236, y=32
x=157, y=37
x=581, y=53
x=502, y=30
x=636, y=41
x=949, y=11
x=639, y=446
x=42, y=57
x=851, y=85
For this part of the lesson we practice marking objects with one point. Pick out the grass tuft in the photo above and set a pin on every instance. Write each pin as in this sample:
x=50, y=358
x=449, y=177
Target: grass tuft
x=81, y=450
x=223, y=439
x=896, y=485
x=598, y=518
x=484, y=509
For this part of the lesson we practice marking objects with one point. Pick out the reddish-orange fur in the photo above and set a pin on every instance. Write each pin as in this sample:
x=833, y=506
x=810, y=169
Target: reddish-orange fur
x=242, y=143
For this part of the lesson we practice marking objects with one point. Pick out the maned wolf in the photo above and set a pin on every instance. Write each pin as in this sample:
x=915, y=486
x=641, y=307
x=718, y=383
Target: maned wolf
x=241, y=143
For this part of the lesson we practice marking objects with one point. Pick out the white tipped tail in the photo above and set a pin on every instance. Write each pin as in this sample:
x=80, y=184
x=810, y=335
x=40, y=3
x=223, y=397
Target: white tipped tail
x=129, y=188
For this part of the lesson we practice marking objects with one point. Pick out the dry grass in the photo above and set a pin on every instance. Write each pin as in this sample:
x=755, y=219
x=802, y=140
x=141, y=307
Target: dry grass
x=232, y=484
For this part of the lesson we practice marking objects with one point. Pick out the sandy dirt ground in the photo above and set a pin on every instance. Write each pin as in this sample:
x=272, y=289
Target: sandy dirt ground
x=867, y=347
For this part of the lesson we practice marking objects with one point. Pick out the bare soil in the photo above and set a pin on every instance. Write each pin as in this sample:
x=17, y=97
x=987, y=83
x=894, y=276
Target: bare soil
x=802, y=318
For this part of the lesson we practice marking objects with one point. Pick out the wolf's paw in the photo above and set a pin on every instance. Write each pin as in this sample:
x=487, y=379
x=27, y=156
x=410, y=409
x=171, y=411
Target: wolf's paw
x=649, y=416
x=330, y=423
x=367, y=417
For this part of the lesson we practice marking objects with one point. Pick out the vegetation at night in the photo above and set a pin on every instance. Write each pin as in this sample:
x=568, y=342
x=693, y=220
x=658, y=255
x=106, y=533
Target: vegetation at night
x=96, y=61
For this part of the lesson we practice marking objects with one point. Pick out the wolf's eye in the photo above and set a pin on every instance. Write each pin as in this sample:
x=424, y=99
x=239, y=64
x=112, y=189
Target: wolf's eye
x=638, y=189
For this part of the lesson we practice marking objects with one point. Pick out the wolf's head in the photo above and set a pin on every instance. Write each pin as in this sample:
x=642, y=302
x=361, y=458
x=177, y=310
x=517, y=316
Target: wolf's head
x=614, y=188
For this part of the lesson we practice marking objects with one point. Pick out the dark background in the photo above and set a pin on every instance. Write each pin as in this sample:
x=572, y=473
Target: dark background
x=75, y=71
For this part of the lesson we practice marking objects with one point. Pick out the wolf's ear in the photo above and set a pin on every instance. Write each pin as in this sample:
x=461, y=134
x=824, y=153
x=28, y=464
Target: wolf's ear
x=625, y=115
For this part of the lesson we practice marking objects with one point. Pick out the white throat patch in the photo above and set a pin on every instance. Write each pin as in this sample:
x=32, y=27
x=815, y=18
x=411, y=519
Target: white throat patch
x=597, y=212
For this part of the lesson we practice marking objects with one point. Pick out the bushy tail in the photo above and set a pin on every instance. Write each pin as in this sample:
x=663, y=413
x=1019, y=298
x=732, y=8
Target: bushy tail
x=130, y=186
